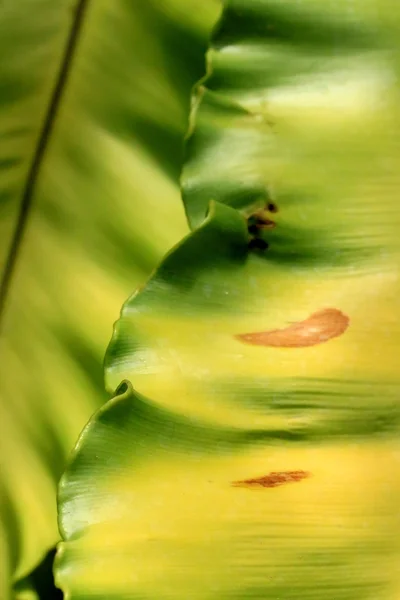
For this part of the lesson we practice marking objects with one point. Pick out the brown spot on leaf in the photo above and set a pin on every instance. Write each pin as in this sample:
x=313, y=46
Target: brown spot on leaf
x=265, y=224
x=262, y=218
x=320, y=327
x=273, y=479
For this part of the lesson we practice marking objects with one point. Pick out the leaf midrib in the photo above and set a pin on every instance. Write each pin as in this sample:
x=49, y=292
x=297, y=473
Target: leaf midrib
x=40, y=151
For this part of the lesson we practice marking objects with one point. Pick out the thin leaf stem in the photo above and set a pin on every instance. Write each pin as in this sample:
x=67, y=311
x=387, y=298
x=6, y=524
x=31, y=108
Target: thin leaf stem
x=40, y=150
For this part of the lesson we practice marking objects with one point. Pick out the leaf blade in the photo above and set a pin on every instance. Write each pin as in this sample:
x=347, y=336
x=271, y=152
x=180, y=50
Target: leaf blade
x=155, y=476
x=100, y=186
x=210, y=409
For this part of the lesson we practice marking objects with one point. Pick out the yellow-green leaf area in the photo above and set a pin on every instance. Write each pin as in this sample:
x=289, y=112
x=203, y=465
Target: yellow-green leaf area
x=252, y=451
x=167, y=477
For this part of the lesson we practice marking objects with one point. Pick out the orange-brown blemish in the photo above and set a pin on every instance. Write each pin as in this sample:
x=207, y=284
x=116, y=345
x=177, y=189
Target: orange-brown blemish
x=262, y=219
x=265, y=224
x=273, y=479
x=320, y=327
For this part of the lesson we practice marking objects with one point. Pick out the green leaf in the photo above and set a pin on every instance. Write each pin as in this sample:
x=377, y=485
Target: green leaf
x=181, y=477
x=93, y=109
x=251, y=451
x=300, y=100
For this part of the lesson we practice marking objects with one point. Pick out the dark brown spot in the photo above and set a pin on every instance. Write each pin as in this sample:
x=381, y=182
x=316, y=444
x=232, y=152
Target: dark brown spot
x=273, y=479
x=253, y=229
x=258, y=244
x=262, y=217
x=272, y=207
x=265, y=223
x=320, y=327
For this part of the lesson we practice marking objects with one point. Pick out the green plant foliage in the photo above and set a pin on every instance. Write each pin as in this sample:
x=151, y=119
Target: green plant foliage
x=93, y=109
x=251, y=449
x=158, y=480
x=300, y=97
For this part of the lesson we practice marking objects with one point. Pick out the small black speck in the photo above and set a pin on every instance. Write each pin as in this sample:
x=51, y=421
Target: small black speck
x=253, y=229
x=258, y=244
x=272, y=207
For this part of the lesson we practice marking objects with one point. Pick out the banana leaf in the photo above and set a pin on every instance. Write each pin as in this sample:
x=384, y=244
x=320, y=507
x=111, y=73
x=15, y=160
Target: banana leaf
x=251, y=449
x=93, y=108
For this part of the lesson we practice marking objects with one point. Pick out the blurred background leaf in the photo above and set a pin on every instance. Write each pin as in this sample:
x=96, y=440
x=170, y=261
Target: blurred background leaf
x=93, y=107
